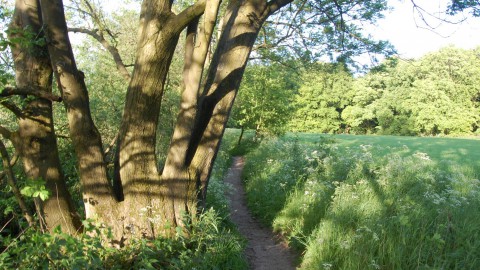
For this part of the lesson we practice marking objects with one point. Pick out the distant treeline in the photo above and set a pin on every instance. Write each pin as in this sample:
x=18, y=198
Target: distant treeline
x=438, y=94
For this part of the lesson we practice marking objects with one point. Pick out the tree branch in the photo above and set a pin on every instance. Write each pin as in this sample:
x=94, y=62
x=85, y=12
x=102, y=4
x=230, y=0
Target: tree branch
x=97, y=35
x=13, y=161
x=181, y=20
x=275, y=5
x=11, y=91
x=12, y=182
x=13, y=108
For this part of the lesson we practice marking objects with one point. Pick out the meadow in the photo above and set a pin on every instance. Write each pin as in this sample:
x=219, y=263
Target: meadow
x=370, y=202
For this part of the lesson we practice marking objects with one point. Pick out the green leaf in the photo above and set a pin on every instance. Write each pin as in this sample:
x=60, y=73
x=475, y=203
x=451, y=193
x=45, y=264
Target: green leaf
x=27, y=191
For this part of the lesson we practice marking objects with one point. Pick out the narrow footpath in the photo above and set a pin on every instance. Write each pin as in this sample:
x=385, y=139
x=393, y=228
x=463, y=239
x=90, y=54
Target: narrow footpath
x=263, y=252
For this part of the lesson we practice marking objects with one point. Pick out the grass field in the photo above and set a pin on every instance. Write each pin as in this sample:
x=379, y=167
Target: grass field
x=462, y=152
x=370, y=202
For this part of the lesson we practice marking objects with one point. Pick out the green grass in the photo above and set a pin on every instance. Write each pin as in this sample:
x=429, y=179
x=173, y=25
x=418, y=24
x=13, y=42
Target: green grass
x=463, y=152
x=370, y=202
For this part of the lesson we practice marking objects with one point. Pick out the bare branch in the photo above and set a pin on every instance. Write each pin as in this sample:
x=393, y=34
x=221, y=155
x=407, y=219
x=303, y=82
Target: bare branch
x=111, y=145
x=11, y=91
x=13, y=161
x=13, y=108
x=97, y=35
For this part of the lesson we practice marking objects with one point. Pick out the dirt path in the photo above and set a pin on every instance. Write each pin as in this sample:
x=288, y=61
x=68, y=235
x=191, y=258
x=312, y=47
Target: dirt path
x=263, y=251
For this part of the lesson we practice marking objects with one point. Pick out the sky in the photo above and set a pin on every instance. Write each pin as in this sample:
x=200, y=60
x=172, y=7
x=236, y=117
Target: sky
x=412, y=38
x=406, y=31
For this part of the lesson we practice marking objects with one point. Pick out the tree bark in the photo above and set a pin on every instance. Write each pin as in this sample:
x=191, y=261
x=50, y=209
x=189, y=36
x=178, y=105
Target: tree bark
x=35, y=139
x=175, y=171
x=137, y=174
x=97, y=193
x=241, y=26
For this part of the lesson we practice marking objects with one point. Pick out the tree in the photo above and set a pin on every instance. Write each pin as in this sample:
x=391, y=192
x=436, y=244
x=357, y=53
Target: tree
x=264, y=100
x=325, y=92
x=436, y=94
x=142, y=200
x=457, y=6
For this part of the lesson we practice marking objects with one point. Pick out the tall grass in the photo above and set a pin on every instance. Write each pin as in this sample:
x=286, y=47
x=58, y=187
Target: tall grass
x=351, y=208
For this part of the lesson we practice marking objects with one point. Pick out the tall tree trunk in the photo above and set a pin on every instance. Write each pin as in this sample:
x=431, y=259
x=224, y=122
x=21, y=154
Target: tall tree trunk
x=97, y=193
x=138, y=176
x=175, y=171
x=241, y=26
x=204, y=115
x=35, y=139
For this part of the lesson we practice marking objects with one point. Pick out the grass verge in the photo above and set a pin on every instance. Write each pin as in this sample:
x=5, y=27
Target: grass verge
x=369, y=206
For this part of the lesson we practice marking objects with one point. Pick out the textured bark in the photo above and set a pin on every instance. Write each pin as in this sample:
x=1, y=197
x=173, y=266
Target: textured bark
x=241, y=26
x=35, y=139
x=183, y=181
x=97, y=193
x=138, y=175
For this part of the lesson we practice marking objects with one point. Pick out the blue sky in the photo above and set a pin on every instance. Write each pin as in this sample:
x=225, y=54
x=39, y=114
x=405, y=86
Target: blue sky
x=404, y=28
x=406, y=31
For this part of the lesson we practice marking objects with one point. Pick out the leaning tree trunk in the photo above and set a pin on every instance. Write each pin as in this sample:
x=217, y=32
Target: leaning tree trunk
x=175, y=171
x=241, y=25
x=97, y=193
x=35, y=139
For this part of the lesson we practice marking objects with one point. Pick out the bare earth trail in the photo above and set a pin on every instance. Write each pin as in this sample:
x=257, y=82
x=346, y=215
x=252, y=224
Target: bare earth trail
x=264, y=252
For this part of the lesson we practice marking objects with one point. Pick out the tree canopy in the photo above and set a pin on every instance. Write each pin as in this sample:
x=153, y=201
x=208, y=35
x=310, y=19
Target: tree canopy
x=434, y=95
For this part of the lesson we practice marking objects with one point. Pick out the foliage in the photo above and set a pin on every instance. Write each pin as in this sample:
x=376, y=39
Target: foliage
x=457, y=6
x=207, y=247
x=313, y=30
x=264, y=99
x=325, y=92
x=35, y=188
x=352, y=207
x=211, y=242
x=272, y=168
x=437, y=94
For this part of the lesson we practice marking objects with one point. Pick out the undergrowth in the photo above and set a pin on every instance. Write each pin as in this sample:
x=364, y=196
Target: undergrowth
x=357, y=210
x=212, y=241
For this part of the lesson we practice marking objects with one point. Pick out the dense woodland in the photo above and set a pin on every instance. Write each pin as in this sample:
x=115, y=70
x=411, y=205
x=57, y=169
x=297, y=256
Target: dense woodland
x=111, y=119
x=437, y=94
